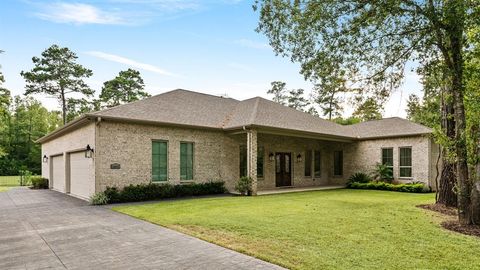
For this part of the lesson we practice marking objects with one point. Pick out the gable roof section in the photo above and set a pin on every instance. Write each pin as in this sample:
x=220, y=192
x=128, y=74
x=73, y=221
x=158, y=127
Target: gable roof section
x=265, y=113
x=192, y=109
x=387, y=127
x=179, y=107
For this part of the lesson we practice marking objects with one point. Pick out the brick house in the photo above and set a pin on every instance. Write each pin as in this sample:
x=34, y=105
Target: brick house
x=183, y=136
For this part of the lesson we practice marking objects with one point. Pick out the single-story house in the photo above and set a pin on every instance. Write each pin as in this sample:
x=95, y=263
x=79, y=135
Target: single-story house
x=183, y=136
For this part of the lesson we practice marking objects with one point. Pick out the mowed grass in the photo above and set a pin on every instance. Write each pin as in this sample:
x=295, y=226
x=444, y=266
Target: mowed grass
x=337, y=229
x=2, y=189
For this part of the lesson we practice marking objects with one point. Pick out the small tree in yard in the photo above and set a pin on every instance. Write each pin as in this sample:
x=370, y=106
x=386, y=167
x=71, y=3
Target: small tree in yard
x=57, y=74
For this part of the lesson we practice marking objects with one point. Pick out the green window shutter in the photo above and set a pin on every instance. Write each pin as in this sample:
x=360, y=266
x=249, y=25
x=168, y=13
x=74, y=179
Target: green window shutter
x=159, y=161
x=338, y=163
x=186, y=161
x=260, y=156
x=308, y=163
x=243, y=160
x=317, y=166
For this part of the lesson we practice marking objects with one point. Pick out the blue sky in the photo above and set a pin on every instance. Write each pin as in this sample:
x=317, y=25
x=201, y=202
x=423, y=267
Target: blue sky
x=206, y=46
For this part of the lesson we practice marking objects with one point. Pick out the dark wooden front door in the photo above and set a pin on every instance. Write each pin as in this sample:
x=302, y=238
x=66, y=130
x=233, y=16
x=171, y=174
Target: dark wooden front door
x=283, y=169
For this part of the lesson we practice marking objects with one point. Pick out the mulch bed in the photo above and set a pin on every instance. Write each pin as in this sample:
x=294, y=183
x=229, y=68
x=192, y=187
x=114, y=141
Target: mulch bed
x=452, y=224
x=449, y=211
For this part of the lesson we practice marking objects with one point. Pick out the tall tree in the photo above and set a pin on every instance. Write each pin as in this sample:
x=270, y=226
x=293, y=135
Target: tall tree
x=368, y=109
x=327, y=97
x=128, y=86
x=56, y=73
x=371, y=42
x=297, y=100
x=279, y=92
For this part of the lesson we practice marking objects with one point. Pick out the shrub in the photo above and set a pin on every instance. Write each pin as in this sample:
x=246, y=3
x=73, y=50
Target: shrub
x=359, y=177
x=39, y=182
x=99, y=198
x=412, y=188
x=383, y=173
x=154, y=191
x=244, y=185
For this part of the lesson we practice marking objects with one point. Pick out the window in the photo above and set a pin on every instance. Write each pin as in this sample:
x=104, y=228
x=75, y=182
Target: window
x=308, y=163
x=260, y=154
x=317, y=161
x=243, y=160
x=186, y=161
x=387, y=160
x=338, y=163
x=406, y=162
x=159, y=161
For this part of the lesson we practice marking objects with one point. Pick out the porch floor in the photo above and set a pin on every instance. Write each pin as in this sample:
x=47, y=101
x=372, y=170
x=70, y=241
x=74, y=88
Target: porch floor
x=297, y=189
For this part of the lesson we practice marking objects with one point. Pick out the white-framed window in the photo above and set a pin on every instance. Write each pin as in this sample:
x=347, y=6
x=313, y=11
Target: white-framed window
x=405, y=164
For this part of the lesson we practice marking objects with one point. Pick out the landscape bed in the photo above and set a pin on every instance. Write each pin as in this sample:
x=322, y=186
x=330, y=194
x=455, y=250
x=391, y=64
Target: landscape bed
x=338, y=229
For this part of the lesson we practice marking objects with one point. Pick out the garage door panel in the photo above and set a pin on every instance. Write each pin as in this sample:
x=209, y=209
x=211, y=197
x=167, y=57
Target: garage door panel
x=82, y=180
x=58, y=173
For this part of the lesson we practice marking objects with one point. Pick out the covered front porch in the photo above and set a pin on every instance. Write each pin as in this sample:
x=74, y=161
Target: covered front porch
x=280, y=161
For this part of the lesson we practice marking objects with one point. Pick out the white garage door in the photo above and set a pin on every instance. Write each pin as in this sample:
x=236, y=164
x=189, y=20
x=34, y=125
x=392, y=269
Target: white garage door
x=82, y=180
x=58, y=173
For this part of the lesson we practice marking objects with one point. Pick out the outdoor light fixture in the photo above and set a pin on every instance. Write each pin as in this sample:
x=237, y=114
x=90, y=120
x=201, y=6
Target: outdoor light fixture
x=271, y=157
x=45, y=159
x=299, y=158
x=88, y=151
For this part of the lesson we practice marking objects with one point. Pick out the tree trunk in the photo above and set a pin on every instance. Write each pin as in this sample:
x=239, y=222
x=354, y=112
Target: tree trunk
x=446, y=190
x=64, y=107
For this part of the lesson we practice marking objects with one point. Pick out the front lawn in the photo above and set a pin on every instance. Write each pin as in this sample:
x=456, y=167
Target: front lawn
x=337, y=229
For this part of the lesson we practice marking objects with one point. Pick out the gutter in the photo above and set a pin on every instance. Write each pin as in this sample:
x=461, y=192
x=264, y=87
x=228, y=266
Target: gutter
x=61, y=130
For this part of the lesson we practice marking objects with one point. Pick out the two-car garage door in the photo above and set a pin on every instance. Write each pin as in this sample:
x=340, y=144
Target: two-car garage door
x=80, y=180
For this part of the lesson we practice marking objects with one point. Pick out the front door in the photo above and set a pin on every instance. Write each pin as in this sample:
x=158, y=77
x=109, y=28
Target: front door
x=283, y=169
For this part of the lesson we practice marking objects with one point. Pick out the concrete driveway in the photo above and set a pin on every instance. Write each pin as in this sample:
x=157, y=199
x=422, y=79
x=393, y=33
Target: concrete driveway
x=44, y=229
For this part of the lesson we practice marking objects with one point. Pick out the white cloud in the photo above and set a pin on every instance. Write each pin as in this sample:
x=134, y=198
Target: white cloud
x=131, y=63
x=78, y=13
x=251, y=44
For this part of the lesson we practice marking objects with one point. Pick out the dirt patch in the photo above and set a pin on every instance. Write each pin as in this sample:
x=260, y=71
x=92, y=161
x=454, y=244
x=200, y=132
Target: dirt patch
x=453, y=225
x=449, y=211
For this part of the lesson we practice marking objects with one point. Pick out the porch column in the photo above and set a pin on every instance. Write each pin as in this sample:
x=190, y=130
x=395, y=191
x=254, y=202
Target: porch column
x=252, y=158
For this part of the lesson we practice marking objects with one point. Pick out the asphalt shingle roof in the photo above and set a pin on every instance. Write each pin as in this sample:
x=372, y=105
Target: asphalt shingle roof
x=188, y=108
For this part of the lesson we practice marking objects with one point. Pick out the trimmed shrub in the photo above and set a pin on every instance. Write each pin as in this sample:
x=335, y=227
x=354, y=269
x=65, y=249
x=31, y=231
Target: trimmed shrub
x=412, y=188
x=154, y=191
x=244, y=185
x=39, y=182
x=383, y=173
x=359, y=177
x=99, y=199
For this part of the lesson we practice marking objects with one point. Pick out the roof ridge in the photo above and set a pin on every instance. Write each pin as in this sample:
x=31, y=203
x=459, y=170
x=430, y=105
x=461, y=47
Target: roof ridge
x=253, y=116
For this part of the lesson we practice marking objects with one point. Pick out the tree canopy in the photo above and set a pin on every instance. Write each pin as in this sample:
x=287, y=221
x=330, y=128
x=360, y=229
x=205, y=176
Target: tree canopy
x=57, y=74
x=128, y=86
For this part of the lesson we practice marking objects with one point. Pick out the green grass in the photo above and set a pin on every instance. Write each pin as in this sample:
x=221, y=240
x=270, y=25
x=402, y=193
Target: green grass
x=338, y=229
x=12, y=181
x=2, y=189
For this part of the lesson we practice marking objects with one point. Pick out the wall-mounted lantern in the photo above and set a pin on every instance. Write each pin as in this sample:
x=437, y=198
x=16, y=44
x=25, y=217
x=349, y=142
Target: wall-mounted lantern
x=45, y=159
x=299, y=158
x=271, y=157
x=88, y=151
